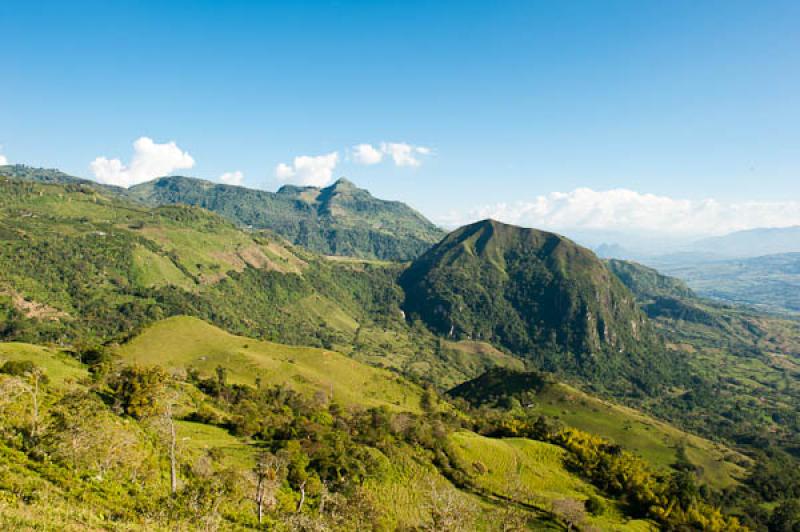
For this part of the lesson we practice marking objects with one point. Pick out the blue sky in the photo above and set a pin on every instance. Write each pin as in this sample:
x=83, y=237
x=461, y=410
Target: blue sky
x=515, y=101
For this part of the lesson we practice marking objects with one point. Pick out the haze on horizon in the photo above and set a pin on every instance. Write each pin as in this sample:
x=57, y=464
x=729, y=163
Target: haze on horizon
x=675, y=120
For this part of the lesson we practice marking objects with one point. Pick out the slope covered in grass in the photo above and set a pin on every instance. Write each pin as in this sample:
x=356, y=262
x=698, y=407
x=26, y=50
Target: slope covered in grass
x=533, y=472
x=183, y=342
x=655, y=441
x=58, y=366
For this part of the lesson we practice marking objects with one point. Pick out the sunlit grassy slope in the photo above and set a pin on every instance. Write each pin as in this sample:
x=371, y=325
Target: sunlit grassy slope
x=532, y=472
x=56, y=365
x=183, y=342
x=656, y=441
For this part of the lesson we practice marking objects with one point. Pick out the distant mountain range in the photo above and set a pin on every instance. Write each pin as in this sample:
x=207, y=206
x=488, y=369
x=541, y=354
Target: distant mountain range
x=757, y=267
x=751, y=243
x=768, y=282
x=340, y=219
x=736, y=245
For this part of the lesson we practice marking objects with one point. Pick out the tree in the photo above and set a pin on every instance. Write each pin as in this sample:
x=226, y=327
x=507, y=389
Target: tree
x=139, y=390
x=269, y=471
x=169, y=422
x=572, y=511
x=26, y=379
x=448, y=509
x=786, y=517
x=83, y=432
x=70, y=420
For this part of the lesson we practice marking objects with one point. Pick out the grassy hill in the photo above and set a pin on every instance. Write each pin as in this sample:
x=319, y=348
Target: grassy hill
x=183, y=342
x=59, y=366
x=80, y=265
x=654, y=440
x=407, y=484
x=534, y=472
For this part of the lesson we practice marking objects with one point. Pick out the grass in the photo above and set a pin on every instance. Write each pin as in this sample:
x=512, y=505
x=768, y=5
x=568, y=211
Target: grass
x=404, y=489
x=58, y=366
x=199, y=437
x=328, y=312
x=154, y=270
x=183, y=342
x=653, y=440
x=532, y=472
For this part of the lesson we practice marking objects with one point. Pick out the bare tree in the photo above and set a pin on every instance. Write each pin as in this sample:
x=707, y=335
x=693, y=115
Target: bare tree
x=302, y=496
x=269, y=471
x=34, y=378
x=572, y=511
x=173, y=466
x=512, y=517
x=448, y=509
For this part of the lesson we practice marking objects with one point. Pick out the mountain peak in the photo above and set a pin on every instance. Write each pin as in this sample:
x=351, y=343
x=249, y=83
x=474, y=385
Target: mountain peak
x=538, y=294
x=343, y=182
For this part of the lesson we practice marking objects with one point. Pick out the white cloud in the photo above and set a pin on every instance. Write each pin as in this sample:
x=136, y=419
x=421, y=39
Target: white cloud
x=404, y=154
x=3, y=160
x=367, y=154
x=150, y=160
x=630, y=211
x=401, y=153
x=232, y=178
x=307, y=170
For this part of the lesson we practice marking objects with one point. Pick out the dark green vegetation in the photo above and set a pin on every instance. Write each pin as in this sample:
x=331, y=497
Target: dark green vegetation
x=332, y=368
x=542, y=297
x=341, y=219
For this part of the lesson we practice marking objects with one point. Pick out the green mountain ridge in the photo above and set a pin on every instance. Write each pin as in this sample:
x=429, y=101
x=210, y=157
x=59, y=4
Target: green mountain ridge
x=340, y=219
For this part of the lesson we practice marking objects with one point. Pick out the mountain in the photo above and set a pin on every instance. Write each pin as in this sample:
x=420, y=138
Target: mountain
x=539, y=295
x=80, y=265
x=613, y=251
x=752, y=242
x=340, y=219
x=647, y=282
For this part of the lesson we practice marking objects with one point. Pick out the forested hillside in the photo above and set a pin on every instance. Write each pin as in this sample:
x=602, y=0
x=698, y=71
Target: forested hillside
x=315, y=385
x=542, y=297
x=340, y=219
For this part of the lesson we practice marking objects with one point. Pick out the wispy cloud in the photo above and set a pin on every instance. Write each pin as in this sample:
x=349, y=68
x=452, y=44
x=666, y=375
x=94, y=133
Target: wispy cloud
x=3, y=160
x=232, y=178
x=308, y=170
x=631, y=211
x=150, y=160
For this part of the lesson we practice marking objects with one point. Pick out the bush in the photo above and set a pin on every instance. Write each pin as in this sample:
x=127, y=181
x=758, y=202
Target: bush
x=595, y=505
x=18, y=368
